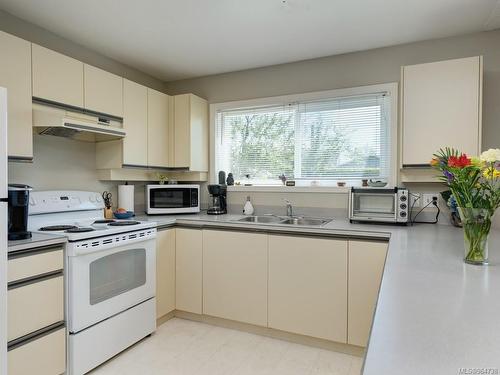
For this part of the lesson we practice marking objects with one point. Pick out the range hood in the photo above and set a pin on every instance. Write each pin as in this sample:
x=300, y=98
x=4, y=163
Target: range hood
x=69, y=123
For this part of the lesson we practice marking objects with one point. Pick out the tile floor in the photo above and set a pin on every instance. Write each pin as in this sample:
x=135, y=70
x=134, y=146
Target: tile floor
x=182, y=347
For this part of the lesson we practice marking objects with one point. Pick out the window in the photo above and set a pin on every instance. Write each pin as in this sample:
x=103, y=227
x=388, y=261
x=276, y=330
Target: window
x=326, y=139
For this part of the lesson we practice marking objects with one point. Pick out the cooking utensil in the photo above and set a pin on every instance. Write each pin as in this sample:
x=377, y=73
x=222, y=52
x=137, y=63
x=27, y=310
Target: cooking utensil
x=107, y=197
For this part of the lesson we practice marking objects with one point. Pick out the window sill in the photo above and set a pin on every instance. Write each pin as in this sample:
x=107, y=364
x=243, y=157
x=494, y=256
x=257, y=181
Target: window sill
x=289, y=189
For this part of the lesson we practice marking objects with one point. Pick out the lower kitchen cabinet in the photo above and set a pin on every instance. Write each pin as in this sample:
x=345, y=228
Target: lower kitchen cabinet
x=366, y=265
x=165, y=272
x=308, y=286
x=235, y=276
x=188, y=270
x=45, y=355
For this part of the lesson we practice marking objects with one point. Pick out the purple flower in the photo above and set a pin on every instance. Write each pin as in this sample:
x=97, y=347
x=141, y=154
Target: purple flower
x=448, y=175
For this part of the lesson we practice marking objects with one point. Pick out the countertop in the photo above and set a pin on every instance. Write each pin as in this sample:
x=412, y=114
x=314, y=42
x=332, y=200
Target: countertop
x=36, y=240
x=434, y=315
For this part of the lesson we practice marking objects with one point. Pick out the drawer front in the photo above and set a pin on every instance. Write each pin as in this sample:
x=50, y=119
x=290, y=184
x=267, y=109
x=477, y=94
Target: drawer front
x=43, y=356
x=29, y=265
x=35, y=306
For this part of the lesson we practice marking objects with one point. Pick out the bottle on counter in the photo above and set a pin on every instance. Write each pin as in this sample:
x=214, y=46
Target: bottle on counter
x=248, y=207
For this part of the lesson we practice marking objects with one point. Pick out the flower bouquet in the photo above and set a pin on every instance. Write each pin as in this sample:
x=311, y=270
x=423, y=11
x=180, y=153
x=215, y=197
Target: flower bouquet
x=475, y=185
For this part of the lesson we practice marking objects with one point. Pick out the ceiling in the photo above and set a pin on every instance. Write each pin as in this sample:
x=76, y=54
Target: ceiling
x=177, y=39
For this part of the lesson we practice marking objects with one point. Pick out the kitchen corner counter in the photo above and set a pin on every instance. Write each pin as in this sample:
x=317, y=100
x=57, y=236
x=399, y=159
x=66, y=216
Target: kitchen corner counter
x=37, y=240
x=434, y=315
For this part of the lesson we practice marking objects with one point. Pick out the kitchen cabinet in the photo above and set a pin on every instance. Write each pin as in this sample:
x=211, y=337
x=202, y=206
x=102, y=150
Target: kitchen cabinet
x=35, y=326
x=441, y=106
x=235, y=276
x=188, y=270
x=191, y=132
x=366, y=265
x=15, y=76
x=135, y=123
x=148, y=125
x=103, y=91
x=57, y=77
x=158, y=129
x=308, y=286
x=165, y=272
x=45, y=355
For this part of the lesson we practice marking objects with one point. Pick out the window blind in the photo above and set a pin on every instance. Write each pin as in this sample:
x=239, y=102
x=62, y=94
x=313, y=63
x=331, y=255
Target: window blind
x=329, y=139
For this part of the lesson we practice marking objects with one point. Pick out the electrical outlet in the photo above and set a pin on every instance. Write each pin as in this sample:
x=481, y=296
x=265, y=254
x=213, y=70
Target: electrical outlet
x=428, y=198
x=415, y=200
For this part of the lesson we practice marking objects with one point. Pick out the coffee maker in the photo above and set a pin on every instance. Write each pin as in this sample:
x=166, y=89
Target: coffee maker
x=219, y=202
x=18, y=211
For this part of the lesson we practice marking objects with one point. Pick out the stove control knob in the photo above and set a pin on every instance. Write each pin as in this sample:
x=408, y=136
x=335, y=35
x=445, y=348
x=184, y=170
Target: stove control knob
x=92, y=198
x=32, y=201
x=403, y=198
x=98, y=198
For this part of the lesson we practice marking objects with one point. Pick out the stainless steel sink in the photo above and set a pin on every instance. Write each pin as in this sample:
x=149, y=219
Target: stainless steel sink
x=261, y=219
x=270, y=219
x=304, y=221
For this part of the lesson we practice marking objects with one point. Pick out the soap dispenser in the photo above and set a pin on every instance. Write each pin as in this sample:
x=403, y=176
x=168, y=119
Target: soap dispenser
x=248, y=207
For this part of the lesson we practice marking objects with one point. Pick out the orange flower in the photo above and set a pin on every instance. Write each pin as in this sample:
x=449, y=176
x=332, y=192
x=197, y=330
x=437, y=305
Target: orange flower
x=434, y=162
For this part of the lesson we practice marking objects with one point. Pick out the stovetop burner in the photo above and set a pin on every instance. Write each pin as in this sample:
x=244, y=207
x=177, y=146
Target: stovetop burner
x=58, y=227
x=124, y=223
x=80, y=230
x=104, y=221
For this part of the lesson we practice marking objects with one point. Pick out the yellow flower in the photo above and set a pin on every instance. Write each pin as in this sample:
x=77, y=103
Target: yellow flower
x=475, y=161
x=434, y=162
x=491, y=173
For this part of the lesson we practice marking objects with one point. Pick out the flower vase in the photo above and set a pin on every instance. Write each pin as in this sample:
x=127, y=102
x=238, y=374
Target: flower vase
x=476, y=224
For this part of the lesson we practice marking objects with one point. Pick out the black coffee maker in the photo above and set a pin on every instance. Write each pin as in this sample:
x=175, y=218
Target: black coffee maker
x=219, y=199
x=19, y=198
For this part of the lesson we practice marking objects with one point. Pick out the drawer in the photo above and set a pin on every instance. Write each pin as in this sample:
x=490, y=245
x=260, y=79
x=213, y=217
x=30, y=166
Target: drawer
x=42, y=356
x=35, y=306
x=28, y=264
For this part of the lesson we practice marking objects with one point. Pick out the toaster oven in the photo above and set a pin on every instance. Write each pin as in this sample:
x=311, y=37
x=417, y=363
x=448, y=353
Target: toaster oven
x=381, y=205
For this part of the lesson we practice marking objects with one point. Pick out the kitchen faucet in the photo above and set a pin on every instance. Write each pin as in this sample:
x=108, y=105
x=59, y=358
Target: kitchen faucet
x=289, y=208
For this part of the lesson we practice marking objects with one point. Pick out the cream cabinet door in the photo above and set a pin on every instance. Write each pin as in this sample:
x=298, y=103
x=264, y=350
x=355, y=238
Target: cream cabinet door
x=135, y=123
x=308, y=286
x=235, y=276
x=57, y=77
x=191, y=132
x=441, y=107
x=43, y=356
x=158, y=154
x=15, y=76
x=165, y=272
x=103, y=91
x=366, y=265
x=188, y=270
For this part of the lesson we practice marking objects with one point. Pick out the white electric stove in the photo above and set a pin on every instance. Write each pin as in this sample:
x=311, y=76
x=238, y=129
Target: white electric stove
x=110, y=274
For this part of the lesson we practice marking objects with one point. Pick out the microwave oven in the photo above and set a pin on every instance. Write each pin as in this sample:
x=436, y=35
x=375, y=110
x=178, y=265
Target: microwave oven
x=380, y=205
x=172, y=199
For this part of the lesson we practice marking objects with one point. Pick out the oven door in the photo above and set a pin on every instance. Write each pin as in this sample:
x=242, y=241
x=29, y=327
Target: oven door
x=173, y=199
x=373, y=206
x=104, y=283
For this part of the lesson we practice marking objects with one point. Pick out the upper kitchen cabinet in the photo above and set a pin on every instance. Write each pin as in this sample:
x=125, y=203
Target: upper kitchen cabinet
x=103, y=91
x=158, y=129
x=191, y=132
x=15, y=76
x=135, y=123
x=57, y=77
x=441, y=106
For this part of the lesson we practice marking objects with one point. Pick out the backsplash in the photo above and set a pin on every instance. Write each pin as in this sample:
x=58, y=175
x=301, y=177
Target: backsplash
x=60, y=163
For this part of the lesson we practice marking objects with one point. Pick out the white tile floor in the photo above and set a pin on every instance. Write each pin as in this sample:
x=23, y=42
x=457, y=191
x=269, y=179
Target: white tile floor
x=182, y=347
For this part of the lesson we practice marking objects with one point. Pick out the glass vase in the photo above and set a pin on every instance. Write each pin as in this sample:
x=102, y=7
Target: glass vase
x=476, y=224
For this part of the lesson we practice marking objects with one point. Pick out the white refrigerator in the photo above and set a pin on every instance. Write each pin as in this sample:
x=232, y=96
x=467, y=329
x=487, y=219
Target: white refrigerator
x=3, y=231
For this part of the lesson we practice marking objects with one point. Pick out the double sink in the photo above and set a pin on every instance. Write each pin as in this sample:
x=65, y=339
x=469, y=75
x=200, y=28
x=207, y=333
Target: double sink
x=287, y=220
